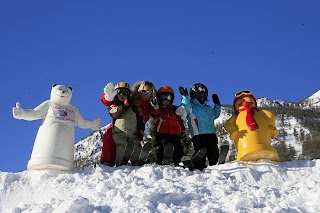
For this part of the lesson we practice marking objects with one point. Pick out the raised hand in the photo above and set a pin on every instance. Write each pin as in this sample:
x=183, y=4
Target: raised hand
x=183, y=91
x=154, y=103
x=216, y=99
x=109, y=92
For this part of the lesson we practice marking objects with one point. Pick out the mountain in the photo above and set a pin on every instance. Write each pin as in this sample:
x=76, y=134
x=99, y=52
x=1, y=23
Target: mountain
x=298, y=125
x=311, y=102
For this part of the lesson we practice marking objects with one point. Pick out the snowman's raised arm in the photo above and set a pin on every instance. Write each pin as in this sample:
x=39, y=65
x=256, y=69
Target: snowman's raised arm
x=39, y=112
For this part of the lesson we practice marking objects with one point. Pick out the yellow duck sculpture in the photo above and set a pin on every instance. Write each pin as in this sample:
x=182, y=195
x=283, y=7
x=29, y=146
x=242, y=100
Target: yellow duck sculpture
x=251, y=129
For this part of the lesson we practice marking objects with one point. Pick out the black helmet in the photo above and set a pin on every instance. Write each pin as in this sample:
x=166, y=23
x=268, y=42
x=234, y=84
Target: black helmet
x=198, y=88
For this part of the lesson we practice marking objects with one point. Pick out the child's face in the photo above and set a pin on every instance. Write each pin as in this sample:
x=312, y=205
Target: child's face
x=146, y=93
x=122, y=94
x=165, y=102
x=122, y=98
x=201, y=97
x=166, y=99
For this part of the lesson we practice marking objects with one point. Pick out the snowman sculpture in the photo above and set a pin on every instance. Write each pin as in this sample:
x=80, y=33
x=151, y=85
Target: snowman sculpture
x=54, y=144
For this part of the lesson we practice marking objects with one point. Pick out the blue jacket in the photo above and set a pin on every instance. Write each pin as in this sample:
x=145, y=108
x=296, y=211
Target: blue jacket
x=200, y=116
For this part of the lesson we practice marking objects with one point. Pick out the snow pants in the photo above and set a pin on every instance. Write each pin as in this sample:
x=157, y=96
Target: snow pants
x=162, y=140
x=209, y=141
x=108, y=154
x=121, y=139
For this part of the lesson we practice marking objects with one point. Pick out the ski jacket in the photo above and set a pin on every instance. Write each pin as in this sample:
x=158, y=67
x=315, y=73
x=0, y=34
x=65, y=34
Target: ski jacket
x=200, y=116
x=167, y=121
x=144, y=109
x=126, y=120
x=104, y=101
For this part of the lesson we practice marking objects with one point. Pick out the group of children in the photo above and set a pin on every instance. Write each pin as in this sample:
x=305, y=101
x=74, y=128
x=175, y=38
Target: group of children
x=134, y=108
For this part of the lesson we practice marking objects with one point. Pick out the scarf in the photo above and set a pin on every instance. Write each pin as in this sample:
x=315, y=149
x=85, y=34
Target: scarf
x=251, y=123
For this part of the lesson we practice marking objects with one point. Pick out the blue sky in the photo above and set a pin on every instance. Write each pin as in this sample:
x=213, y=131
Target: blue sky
x=270, y=47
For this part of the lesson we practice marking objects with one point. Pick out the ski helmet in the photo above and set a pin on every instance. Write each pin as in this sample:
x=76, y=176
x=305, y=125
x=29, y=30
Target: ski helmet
x=198, y=88
x=122, y=85
x=166, y=90
x=123, y=88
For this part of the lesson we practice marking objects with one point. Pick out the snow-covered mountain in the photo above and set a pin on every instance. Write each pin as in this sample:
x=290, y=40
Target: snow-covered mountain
x=265, y=102
x=290, y=127
x=311, y=102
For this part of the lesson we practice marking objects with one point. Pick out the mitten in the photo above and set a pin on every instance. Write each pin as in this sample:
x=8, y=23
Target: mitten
x=17, y=111
x=109, y=92
x=154, y=103
x=216, y=99
x=96, y=124
x=183, y=91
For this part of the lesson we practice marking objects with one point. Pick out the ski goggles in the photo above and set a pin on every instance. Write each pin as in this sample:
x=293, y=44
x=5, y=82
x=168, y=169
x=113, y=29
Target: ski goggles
x=243, y=92
x=144, y=92
x=123, y=92
x=200, y=95
x=164, y=97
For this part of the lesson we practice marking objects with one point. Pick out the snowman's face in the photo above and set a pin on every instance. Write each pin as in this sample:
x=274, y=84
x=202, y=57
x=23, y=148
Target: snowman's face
x=61, y=94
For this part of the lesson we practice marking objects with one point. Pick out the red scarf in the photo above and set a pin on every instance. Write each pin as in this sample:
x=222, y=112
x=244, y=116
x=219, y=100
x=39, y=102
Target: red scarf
x=251, y=123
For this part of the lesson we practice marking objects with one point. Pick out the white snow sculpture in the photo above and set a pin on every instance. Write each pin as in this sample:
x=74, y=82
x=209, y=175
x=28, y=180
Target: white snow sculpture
x=54, y=144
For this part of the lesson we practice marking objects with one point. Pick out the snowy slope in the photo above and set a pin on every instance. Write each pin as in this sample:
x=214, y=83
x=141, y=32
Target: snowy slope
x=233, y=187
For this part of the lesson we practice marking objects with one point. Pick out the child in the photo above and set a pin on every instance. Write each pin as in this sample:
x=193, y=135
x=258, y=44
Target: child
x=201, y=122
x=127, y=124
x=168, y=123
x=142, y=93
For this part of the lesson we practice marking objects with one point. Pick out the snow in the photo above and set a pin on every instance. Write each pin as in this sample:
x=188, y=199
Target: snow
x=311, y=102
x=262, y=186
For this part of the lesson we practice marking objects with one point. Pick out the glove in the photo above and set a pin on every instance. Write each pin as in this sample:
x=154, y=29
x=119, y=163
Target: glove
x=109, y=92
x=183, y=91
x=17, y=111
x=181, y=111
x=216, y=99
x=96, y=124
x=154, y=103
